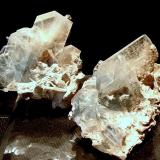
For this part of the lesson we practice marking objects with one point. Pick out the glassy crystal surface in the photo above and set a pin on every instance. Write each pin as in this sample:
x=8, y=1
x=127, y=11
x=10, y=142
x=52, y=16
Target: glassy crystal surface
x=55, y=29
x=49, y=31
x=123, y=67
x=115, y=107
x=36, y=61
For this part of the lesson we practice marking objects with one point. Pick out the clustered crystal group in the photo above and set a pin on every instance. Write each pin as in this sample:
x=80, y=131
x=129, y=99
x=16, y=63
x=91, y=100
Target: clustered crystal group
x=114, y=107
x=37, y=62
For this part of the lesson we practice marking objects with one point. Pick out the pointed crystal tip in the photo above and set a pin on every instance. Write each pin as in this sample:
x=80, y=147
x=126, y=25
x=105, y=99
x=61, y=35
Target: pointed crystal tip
x=47, y=16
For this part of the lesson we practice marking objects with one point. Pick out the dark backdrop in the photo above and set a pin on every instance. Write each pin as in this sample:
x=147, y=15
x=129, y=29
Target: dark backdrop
x=100, y=27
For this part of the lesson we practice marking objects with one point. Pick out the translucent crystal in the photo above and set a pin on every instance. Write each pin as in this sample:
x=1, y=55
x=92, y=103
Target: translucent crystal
x=55, y=29
x=36, y=61
x=49, y=31
x=134, y=60
x=58, y=81
x=114, y=107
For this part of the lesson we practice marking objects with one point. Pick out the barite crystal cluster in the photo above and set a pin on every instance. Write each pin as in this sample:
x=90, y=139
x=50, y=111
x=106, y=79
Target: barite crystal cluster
x=36, y=60
x=118, y=104
x=115, y=106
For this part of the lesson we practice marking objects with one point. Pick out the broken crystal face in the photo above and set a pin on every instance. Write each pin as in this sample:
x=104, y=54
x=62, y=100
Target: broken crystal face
x=114, y=107
x=36, y=60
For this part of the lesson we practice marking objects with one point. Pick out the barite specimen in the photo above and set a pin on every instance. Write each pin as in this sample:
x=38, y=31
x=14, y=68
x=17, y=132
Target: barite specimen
x=115, y=106
x=118, y=104
x=36, y=60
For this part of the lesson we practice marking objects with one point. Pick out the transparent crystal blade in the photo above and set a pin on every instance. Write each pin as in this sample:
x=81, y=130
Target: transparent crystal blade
x=122, y=68
x=55, y=29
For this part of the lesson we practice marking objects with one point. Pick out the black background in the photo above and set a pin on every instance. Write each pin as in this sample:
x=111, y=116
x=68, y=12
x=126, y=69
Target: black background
x=100, y=28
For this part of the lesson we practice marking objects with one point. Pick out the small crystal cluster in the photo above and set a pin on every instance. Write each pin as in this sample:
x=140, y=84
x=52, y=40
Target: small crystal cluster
x=36, y=61
x=122, y=99
x=115, y=106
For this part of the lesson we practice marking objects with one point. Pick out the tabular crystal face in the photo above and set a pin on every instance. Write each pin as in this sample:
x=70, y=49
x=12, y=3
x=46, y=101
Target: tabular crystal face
x=125, y=66
x=49, y=31
x=55, y=29
x=36, y=60
x=114, y=107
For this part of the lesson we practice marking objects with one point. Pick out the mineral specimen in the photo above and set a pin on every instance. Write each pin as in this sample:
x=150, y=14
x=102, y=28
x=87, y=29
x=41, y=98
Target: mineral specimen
x=36, y=60
x=115, y=106
x=119, y=102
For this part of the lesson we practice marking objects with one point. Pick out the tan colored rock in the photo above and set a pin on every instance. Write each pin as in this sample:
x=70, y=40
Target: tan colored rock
x=58, y=82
